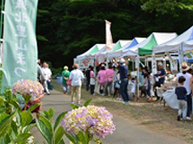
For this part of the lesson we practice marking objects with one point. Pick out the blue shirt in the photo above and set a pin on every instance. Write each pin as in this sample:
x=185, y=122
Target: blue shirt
x=123, y=70
x=161, y=72
x=181, y=93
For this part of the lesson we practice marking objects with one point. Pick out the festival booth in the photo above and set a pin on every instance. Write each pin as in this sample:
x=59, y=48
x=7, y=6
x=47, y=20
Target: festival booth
x=87, y=58
x=180, y=44
x=93, y=50
x=118, y=53
x=145, y=47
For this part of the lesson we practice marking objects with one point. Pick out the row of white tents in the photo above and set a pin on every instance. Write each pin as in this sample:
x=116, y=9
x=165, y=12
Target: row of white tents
x=156, y=43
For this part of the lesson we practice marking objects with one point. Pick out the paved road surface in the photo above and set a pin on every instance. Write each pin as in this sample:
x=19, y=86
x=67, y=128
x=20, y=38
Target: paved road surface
x=126, y=132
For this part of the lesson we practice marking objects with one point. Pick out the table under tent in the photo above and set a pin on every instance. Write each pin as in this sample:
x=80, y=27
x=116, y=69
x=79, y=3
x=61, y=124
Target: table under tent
x=180, y=44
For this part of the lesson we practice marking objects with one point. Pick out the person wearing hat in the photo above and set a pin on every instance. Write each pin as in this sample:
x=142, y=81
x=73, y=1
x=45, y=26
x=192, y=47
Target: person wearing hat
x=123, y=70
x=65, y=77
x=187, y=84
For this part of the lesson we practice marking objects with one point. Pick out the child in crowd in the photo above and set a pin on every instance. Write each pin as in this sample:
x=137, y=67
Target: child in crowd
x=148, y=86
x=133, y=86
x=117, y=87
x=92, y=80
x=181, y=93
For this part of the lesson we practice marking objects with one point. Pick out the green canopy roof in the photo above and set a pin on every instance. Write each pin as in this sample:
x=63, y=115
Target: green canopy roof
x=147, y=49
x=118, y=46
x=94, y=50
x=153, y=40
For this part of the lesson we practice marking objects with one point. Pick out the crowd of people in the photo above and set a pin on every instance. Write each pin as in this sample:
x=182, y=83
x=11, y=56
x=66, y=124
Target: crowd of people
x=116, y=81
x=44, y=76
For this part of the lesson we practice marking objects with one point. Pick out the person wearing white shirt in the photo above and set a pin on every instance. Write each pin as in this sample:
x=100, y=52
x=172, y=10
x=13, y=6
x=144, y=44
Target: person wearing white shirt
x=47, y=75
x=187, y=84
x=76, y=76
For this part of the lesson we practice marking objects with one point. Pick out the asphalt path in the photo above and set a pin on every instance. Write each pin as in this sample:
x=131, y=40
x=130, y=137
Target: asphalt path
x=127, y=132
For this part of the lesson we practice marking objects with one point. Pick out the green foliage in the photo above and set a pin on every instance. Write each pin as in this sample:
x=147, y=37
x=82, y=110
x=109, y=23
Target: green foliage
x=67, y=28
x=59, y=119
x=15, y=123
x=52, y=134
x=87, y=102
x=5, y=124
x=46, y=133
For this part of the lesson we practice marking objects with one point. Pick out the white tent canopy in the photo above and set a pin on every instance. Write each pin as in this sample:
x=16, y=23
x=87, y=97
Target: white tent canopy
x=159, y=38
x=122, y=43
x=91, y=51
x=188, y=45
x=118, y=52
x=176, y=43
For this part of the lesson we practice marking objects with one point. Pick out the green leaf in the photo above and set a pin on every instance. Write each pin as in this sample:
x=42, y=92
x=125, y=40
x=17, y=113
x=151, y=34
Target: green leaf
x=59, y=119
x=5, y=124
x=62, y=142
x=44, y=131
x=59, y=134
x=22, y=138
x=48, y=114
x=28, y=128
x=87, y=102
x=47, y=123
x=73, y=139
x=5, y=139
x=33, y=107
x=1, y=101
x=83, y=138
x=15, y=105
x=26, y=118
x=26, y=98
x=14, y=127
x=74, y=106
x=18, y=118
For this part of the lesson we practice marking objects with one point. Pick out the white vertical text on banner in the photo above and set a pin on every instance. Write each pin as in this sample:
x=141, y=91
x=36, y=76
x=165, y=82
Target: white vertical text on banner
x=19, y=45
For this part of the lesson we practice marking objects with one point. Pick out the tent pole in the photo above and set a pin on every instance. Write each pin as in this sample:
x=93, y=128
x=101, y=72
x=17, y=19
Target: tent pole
x=138, y=77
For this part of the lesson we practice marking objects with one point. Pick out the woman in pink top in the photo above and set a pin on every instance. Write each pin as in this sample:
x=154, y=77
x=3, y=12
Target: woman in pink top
x=101, y=77
x=109, y=81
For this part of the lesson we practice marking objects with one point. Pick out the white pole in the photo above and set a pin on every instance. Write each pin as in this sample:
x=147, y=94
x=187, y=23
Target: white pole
x=138, y=77
x=181, y=54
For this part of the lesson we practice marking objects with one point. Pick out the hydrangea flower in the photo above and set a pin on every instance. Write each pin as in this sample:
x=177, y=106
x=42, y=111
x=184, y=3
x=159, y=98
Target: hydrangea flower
x=92, y=120
x=27, y=87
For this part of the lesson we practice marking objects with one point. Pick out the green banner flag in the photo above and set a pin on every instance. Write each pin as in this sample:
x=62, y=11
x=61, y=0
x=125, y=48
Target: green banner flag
x=19, y=45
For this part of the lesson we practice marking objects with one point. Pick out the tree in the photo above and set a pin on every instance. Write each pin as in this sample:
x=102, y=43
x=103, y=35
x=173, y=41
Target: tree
x=67, y=28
